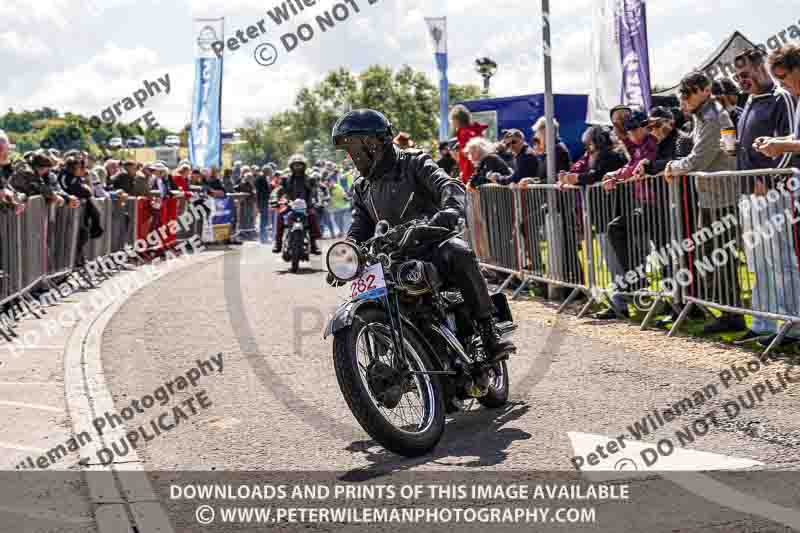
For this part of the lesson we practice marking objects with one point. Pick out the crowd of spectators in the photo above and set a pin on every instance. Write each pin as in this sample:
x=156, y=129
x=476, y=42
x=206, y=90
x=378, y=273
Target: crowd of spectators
x=761, y=106
x=76, y=177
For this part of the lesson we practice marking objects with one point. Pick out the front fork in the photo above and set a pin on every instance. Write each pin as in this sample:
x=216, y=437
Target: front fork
x=391, y=304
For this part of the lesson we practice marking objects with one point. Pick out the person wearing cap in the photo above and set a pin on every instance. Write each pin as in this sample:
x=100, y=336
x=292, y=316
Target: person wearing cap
x=640, y=144
x=502, y=151
x=526, y=164
x=8, y=195
x=162, y=181
x=661, y=123
x=716, y=197
x=36, y=178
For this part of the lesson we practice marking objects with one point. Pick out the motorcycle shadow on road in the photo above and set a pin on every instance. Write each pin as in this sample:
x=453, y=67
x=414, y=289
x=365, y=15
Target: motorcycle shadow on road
x=479, y=435
x=300, y=271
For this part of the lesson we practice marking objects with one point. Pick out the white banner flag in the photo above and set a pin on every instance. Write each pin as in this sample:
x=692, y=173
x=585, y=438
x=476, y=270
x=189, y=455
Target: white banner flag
x=437, y=28
x=606, y=69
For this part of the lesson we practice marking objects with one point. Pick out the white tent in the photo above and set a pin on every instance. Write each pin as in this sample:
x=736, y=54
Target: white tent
x=720, y=63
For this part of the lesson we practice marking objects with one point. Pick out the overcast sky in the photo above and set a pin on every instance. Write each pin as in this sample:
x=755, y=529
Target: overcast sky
x=85, y=55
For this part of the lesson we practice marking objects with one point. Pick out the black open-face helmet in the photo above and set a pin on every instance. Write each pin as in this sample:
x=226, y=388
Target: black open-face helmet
x=366, y=135
x=298, y=164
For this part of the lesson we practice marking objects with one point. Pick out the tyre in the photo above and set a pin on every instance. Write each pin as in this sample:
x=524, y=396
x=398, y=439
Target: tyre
x=498, y=387
x=410, y=438
x=296, y=249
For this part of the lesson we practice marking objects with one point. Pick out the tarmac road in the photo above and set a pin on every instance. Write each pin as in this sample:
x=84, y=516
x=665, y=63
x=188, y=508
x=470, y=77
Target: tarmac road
x=276, y=406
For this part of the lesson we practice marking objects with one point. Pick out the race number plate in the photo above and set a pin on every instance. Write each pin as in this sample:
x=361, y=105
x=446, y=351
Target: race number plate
x=370, y=285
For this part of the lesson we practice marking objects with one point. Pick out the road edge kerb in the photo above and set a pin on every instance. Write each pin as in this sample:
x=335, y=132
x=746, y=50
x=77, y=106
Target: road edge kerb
x=87, y=394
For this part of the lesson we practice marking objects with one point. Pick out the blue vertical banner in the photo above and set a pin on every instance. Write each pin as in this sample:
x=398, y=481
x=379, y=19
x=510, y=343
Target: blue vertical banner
x=205, y=136
x=437, y=28
x=632, y=28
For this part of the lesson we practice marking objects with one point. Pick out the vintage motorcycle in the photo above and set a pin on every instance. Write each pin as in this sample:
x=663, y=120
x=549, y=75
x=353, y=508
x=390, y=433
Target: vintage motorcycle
x=296, y=234
x=405, y=349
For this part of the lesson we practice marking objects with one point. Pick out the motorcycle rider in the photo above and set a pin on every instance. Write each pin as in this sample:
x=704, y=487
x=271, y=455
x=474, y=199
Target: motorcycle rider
x=399, y=185
x=298, y=186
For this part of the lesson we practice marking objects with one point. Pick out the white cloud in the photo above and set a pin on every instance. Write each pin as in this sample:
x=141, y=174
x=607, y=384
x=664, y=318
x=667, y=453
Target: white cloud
x=93, y=62
x=680, y=55
x=25, y=47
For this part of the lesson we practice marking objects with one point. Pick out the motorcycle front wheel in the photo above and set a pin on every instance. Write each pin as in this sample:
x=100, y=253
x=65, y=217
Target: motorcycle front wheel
x=296, y=250
x=411, y=426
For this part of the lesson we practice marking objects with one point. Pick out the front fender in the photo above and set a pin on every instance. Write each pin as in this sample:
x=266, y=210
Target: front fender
x=343, y=317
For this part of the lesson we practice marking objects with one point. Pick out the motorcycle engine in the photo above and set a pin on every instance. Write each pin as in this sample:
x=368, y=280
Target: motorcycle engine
x=413, y=278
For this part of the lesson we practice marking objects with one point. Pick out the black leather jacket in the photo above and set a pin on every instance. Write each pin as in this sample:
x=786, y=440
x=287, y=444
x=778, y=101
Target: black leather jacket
x=294, y=187
x=407, y=185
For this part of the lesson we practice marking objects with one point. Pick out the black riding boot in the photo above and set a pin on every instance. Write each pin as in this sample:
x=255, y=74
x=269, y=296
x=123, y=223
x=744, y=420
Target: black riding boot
x=496, y=347
x=314, y=248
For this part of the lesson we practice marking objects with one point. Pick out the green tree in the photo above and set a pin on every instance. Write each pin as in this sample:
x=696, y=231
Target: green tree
x=462, y=93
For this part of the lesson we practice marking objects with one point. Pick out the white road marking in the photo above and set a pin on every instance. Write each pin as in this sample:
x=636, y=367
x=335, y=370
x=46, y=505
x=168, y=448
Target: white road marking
x=87, y=397
x=36, y=383
x=642, y=455
x=32, y=406
x=21, y=448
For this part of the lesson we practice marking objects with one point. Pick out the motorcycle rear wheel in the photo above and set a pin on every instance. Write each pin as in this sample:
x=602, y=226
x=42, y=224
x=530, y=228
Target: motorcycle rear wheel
x=498, y=387
x=407, y=441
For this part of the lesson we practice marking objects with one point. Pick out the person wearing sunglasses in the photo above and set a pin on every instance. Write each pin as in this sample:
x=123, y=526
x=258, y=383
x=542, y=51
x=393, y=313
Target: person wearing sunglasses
x=526, y=164
x=784, y=65
x=716, y=197
x=767, y=113
x=446, y=160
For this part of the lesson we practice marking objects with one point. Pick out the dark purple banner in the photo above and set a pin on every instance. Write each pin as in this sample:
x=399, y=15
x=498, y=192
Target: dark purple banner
x=632, y=27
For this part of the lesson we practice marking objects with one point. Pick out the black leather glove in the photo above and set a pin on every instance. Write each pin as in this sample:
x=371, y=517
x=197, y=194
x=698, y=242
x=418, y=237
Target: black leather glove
x=333, y=282
x=446, y=218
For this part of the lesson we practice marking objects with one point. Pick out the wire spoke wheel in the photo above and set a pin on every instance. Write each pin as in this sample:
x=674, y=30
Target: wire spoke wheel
x=413, y=412
x=394, y=400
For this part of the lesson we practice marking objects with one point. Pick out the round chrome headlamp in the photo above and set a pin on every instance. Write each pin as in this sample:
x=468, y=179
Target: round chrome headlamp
x=344, y=261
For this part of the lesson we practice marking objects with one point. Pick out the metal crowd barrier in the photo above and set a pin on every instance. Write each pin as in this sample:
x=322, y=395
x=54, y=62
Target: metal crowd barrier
x=727, y=241
x=244, y=217
x=632, y=230
x=532, y=233
x=747, y=262
x=102, y=246
x=39, y=248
